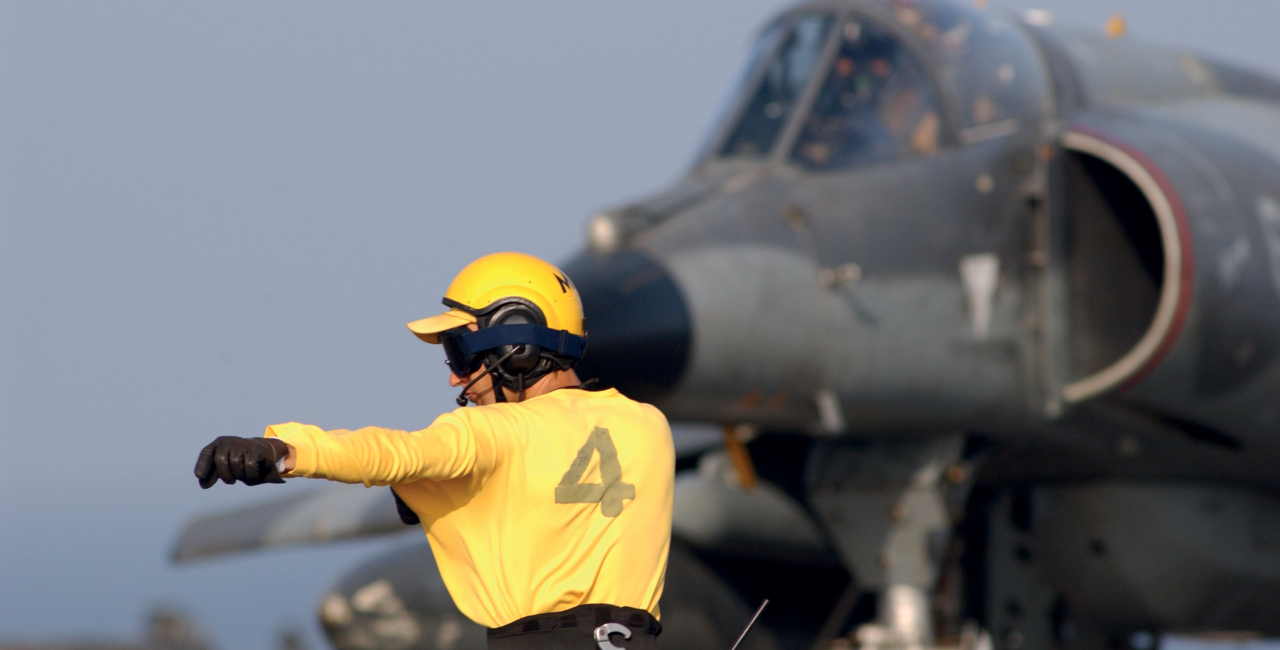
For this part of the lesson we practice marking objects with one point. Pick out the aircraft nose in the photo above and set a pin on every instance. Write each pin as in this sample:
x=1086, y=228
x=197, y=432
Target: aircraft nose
x=638, y=332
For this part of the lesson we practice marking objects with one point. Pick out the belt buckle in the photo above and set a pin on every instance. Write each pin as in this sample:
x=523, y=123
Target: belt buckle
x=602, y=635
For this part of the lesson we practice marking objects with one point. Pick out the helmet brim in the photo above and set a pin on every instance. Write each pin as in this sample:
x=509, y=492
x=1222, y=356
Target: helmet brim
x=429, y=329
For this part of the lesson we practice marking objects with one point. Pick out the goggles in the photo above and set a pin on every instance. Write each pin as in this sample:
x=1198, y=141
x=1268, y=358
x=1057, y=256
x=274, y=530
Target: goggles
x=460, y=360
x=464, y=349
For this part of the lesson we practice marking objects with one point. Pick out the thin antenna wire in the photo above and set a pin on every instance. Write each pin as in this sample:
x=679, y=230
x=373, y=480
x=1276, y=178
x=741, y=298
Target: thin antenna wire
x=749, y=624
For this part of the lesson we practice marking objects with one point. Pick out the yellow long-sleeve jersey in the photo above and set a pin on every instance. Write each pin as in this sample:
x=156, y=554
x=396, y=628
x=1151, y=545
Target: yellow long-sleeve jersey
x=533, y=507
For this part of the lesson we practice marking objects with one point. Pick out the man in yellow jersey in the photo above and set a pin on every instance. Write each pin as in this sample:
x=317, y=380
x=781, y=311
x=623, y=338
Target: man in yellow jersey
x=548, y=507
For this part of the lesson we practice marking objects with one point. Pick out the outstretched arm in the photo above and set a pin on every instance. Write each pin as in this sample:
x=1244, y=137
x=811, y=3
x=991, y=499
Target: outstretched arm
x=449, y=448
x=376, y=456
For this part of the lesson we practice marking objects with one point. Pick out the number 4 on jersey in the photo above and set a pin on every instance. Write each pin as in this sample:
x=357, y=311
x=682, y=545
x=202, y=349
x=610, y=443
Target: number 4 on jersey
x=610, y=494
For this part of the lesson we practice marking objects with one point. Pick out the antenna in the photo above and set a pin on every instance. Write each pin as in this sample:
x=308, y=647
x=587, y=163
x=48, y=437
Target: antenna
x=749, y=624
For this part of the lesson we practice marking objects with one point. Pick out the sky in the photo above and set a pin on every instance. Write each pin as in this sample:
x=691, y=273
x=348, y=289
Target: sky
x=219, y=216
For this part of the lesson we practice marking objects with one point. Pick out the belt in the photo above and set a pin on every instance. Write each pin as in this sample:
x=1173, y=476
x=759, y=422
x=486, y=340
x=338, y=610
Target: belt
x=582, y=626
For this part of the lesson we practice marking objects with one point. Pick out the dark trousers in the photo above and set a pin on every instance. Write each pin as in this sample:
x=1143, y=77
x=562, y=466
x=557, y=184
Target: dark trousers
x=574, y=629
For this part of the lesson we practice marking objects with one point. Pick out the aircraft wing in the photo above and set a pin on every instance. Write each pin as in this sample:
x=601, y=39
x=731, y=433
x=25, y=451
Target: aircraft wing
x=329, y=513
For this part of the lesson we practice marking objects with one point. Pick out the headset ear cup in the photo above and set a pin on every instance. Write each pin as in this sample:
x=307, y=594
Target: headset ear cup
x=518, y=363
x=522, y=362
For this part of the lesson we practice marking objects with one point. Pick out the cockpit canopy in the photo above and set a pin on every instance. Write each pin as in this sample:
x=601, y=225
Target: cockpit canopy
x=836, y=86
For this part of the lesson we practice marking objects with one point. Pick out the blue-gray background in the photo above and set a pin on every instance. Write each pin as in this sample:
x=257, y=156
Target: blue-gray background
x=215, y=217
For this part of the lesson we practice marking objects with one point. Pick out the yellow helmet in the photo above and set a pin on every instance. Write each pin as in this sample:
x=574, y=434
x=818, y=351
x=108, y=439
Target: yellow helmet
x=501, y=278
x=527, y=316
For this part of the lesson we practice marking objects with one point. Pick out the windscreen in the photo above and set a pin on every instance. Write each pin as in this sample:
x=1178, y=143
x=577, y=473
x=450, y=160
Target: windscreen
x=783, y=81
x=875, y=104
x=989, y=63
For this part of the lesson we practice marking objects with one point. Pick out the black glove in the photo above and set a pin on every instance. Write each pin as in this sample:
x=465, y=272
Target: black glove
x=250, y=460
x=407, y=515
